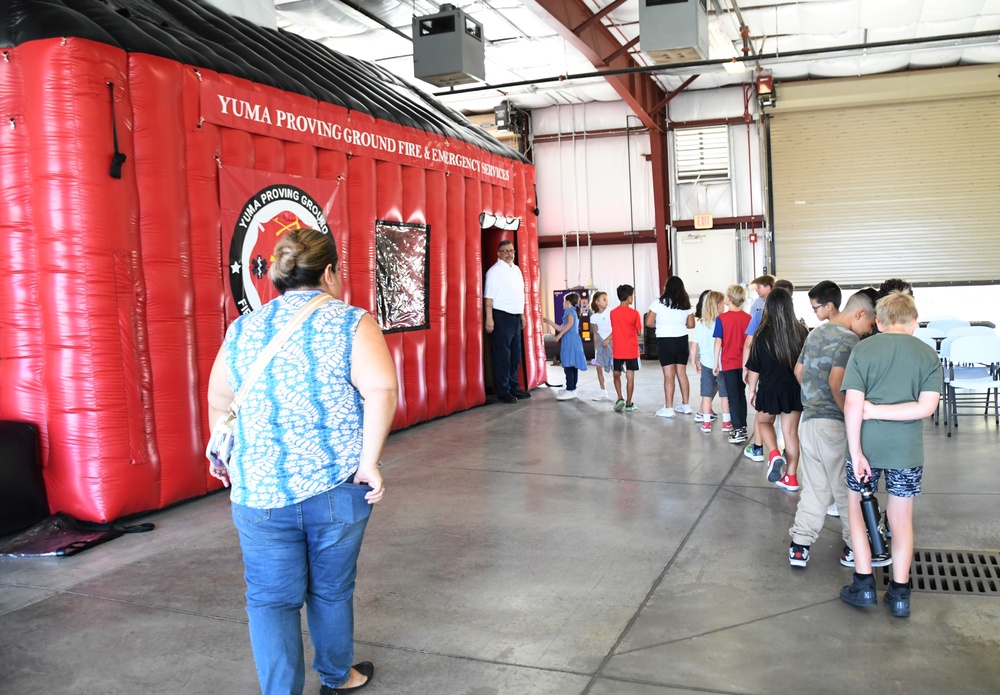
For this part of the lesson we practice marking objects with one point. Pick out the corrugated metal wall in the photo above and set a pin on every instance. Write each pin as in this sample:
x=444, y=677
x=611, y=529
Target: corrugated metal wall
x=909, y=190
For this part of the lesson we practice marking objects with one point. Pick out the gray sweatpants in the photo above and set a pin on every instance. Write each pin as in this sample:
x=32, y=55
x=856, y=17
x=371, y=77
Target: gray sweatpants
x=822, y=471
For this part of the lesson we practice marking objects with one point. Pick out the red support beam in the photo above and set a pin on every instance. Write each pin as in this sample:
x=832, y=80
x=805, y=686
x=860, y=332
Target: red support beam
x=599, y=15
x=590, y=134
x=734, y=120
x=661, y=202
x=554, y=241
x=579, y=27
x=666, y=100
x=722, y=222
x=622, y=49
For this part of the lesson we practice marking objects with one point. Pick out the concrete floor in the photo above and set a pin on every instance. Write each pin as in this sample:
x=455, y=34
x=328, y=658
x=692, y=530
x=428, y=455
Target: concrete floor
x=543, y=547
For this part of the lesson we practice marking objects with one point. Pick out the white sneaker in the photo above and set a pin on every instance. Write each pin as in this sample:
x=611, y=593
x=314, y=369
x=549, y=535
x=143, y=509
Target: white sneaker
x=684, y=409
x=602, y=396
x=832, y=510
x=665, y=412
x=566, y=396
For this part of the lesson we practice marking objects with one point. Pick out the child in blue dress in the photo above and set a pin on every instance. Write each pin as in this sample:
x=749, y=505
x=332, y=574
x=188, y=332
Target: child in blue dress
x=570, y=345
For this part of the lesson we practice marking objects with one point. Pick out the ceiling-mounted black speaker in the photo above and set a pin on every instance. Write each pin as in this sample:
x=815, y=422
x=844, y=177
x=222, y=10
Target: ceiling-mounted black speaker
x=448, y=48
x=502, y=116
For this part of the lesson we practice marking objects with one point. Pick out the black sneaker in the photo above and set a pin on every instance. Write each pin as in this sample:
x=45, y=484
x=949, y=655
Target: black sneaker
x=898, y=601
x=861, y=592
x=798, y=555
x=738, y=436
x=519, y=393
x=847, y=559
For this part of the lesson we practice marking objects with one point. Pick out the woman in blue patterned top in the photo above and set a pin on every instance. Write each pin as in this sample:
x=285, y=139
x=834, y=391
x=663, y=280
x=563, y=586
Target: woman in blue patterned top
x=304, y=469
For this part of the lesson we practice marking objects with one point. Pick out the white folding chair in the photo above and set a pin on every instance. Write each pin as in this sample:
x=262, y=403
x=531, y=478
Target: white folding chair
x=932, y=338
x=970, y=330
x=940, y=329
x=973, y=365
x=924, y=333
x=942, y=326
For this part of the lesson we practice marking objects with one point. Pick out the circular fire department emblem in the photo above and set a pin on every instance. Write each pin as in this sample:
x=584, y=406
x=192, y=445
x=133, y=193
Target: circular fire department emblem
x=267, y=215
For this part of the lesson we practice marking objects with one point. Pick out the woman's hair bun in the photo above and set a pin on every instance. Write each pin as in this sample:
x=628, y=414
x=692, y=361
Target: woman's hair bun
x=287, y=254
x=300, y=258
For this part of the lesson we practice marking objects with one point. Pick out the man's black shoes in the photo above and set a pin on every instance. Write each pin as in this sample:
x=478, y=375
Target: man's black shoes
x=518, y=393
x=507, y=398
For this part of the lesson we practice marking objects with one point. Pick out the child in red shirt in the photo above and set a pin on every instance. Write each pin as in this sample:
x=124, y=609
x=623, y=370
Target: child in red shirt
x=730, y=334
x=626, y=327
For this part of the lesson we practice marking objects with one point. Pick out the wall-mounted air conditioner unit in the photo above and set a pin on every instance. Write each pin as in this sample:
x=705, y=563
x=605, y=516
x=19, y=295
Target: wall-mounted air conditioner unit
x=673, y=31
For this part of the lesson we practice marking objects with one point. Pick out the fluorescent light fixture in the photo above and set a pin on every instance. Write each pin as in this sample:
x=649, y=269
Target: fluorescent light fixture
x=735, y=67
x=721, y=47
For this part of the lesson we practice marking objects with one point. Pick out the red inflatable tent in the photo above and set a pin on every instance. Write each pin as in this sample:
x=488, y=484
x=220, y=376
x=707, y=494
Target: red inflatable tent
x=149, y=157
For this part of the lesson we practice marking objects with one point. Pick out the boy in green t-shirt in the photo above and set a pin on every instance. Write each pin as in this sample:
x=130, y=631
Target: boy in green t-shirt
x=892, y=382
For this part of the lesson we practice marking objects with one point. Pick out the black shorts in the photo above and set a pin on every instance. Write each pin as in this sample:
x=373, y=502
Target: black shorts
x=673, y=350
x=629, y=365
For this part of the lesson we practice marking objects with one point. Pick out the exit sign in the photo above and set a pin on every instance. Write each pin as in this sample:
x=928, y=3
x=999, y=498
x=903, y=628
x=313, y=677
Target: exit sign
x=702, y=221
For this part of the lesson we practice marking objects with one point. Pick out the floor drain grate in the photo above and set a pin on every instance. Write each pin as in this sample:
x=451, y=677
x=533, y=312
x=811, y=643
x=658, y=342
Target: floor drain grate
x=975, y=572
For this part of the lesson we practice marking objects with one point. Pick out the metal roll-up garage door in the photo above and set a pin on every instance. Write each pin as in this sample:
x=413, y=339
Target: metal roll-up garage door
x=870, y=191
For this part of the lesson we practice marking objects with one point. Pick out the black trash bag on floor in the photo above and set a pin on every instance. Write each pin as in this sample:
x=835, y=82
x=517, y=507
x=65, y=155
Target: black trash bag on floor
x=61, y=536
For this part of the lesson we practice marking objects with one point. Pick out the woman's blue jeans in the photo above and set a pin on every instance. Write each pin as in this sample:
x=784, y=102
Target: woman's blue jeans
x=303, y=553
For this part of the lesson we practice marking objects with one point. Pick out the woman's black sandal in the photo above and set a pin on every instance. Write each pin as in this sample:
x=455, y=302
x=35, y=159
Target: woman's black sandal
x=365, y=668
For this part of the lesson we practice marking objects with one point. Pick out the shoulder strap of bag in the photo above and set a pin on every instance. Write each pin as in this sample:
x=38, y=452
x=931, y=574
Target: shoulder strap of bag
x=272, y=348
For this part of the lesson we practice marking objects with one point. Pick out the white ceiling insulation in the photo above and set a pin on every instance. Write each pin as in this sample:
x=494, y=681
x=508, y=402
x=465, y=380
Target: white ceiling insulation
x=522, y=47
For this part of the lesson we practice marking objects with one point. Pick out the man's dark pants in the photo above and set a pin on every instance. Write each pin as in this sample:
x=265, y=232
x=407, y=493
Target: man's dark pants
x=506, y=341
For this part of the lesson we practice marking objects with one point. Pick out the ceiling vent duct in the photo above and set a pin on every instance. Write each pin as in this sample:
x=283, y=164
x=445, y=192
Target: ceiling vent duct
x=673, y=31
x=448, y=48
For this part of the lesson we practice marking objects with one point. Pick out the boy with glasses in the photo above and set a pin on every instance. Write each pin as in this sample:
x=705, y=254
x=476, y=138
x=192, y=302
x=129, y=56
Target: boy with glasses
x=820, y=371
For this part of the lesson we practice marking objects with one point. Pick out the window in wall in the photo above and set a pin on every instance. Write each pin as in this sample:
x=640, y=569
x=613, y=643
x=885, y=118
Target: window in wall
x=402, y=276
x=702, y=153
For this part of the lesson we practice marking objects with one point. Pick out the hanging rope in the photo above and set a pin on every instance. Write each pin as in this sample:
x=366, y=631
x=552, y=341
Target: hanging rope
x=586, y=187
x=631, y=215
x=576, y=200
x=562, y=194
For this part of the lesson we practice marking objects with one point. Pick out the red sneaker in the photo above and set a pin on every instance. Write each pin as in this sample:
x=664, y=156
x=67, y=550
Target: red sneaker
x=776, y=462
x=789, y=482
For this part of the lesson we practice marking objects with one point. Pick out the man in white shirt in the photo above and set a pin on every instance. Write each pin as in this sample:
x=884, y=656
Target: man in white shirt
x=504, y=315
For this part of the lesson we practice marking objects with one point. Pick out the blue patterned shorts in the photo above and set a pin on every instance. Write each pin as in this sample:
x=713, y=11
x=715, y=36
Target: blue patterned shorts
x=899, y=482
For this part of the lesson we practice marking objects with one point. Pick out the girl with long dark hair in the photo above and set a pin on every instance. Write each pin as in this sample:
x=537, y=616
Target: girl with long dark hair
x=672, y=316
x=773, y=387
